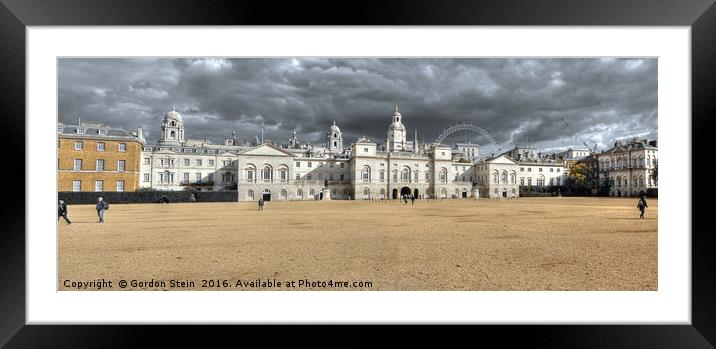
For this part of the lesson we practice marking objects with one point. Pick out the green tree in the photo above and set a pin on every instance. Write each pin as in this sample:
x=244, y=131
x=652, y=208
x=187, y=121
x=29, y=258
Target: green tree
x=655, y=173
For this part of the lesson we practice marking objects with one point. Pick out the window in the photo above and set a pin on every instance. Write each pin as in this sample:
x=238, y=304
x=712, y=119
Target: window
x=557, y=170
x=100, y=146
x=395, y=175
x=331, y=177
x=298, y=164
x=529, y=169
x=405, y=176
x=443, y=175
x=540, y=169
x=320, y=164
x=120, y=185
x=120, y=165
x=310, y=164
x=529, y=182
x=522, y=180
x=343, y=165
x=331, y=164
x=442, y=153
x=81, y=130
x=365, y=150
x=559, y=181
x=551, y=182
x=309, y=177
x=78, y=165
x=198, y=162
x=417, y=176
x=146, y=177
x=211, y=162
x=283, y=175
x=343, y=176
x=186, y=162
x=427, y=176
x=320, y=176
x=504, y=177
x=299, y=193
x=185, y=178
x=147, y=161
x=365, y=174
x=211, y=177
x=266, y=174
x=76, y=185
x=99, y=185
x=522, y=169
x=102, y=132
x=100, y=165
x=122, y=147
x=250, y=194
x=551, y=170
x=79, y=145
x=298, y=176
x=250, y=175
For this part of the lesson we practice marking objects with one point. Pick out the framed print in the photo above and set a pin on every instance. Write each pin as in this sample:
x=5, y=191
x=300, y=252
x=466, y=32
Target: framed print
x=456, y=167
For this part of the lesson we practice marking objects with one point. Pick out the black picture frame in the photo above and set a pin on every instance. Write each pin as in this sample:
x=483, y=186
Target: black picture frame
x=700, y=15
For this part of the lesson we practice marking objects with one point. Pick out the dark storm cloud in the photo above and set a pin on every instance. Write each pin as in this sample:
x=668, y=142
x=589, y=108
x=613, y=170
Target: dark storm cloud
x=546, y=102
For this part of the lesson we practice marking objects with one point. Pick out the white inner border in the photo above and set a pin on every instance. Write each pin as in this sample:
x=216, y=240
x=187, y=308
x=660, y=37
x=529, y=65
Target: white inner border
x=670, y=304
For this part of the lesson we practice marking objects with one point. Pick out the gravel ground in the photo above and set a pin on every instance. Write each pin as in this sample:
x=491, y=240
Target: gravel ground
x=516, y=244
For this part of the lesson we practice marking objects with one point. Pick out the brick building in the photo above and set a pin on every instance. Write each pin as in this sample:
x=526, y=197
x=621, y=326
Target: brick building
x=95, y=157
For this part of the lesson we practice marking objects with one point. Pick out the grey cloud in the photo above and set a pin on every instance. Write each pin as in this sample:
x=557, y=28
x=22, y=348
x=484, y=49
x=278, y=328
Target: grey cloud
x=515, y=99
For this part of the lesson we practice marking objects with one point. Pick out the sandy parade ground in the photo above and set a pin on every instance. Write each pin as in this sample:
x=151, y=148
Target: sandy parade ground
x=459, y=244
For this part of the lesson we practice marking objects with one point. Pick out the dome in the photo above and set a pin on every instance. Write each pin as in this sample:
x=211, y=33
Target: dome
x=334, y=128
x=172, y=115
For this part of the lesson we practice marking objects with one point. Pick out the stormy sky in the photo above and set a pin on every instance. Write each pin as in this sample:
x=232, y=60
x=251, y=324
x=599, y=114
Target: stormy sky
x=546, y=102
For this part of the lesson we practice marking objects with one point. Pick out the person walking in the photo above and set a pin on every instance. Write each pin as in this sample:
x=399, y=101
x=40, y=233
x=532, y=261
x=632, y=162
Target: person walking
x=101, y=207
x=642, y=206
x=261, y=204
x=62, y=211
x=412, y=200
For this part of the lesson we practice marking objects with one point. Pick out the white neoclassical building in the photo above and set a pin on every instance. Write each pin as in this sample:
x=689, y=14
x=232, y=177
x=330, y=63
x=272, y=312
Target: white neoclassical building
x=628, y=167
x=364, y=170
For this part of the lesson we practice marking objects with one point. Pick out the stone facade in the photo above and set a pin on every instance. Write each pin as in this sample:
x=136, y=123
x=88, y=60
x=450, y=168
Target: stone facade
x=628, y=166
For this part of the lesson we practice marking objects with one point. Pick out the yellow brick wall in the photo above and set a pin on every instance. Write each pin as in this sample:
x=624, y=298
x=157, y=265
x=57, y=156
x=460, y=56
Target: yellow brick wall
x=66, y=154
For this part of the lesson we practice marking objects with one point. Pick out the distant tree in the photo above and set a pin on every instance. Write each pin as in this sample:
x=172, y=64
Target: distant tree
x=655, y=173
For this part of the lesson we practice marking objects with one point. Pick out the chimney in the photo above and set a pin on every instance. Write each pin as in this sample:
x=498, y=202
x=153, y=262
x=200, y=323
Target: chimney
x=139, y=133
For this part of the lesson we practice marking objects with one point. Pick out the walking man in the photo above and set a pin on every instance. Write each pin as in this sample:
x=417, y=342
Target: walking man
x=62, y=211
x=101, y=207
x=642, y=206
x=261, y=204
x=412, y=200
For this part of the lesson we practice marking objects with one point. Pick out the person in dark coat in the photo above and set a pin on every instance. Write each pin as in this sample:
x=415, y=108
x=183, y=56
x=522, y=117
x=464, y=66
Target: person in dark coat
x=642, y=206
x=101, y=207
x=412, y=200
x=261, y=204
x=62, y=211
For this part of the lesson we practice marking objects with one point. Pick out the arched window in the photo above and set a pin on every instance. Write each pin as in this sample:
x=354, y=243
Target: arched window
x=405, y=176
x=299, y=193
x=335, y=144
x=172, y=134
x=365, y=174
x=619, y=181
x=522, y=180
x=495, y=177
x=250, y=194
x=551, y=182
x=443, y=193
x=559, y=181
x=504, y=177
x=311, y=192
x=443, y=176
x=283, y=174
x=513, y=177
x=172, y=123
x=284, y=194
x=382, y=193
x=529, y=181
x=366, y=193
x=641, y=181
x=266, y=174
